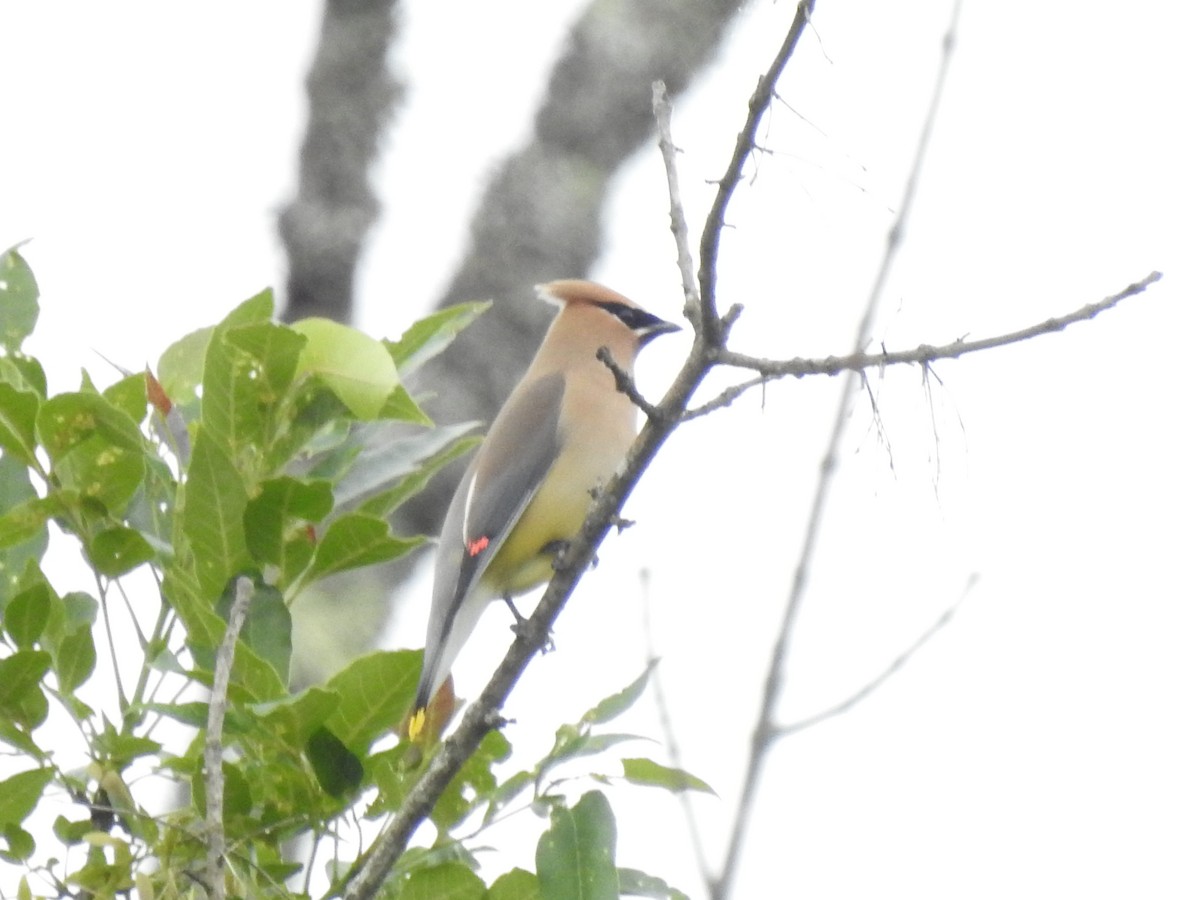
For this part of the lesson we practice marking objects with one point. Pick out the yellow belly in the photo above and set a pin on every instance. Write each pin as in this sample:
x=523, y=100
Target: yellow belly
x=555, y=513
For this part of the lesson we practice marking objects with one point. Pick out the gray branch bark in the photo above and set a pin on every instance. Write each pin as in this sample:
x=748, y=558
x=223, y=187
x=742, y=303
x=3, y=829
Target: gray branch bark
x=351, y=95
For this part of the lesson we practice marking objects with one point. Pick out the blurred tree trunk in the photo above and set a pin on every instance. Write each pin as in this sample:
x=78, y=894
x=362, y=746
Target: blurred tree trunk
x=537, y=220
x=351, y=94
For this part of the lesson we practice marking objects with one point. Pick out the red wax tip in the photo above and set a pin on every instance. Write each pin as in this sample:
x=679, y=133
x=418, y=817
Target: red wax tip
x=478, y=545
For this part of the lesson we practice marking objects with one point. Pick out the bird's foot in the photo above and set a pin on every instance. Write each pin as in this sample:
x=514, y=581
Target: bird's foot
x=524, y=629
x=559, y=549
x=520, y=623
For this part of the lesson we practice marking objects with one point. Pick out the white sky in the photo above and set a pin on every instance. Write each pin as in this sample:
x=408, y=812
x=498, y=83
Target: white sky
x=1043, y=745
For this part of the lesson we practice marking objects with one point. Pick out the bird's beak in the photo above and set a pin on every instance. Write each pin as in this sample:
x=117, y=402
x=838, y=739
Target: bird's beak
x=651, y=330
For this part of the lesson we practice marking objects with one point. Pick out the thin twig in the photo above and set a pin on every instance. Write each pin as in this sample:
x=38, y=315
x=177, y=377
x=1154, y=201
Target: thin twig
x=214, y=777
x=878, y=681
x=625, y=384
x=691, y=290
x=710, y=238
x=102, y=592
x=923, y=355
x=670, y=738
x=762, y=738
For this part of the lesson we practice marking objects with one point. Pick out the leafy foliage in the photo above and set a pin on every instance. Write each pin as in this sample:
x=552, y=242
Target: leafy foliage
x=262, y=451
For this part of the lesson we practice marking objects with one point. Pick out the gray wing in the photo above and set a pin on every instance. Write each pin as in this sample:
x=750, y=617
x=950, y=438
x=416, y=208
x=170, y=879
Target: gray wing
x=511, y=464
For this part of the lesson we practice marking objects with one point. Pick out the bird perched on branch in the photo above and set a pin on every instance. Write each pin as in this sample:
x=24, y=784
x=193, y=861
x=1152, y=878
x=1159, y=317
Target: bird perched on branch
x=562, y=433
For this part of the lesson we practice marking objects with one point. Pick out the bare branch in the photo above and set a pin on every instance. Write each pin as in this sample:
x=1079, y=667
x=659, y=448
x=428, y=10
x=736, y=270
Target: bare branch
x=878, y=681
x=625, y=384
x=923, y=355
x=666, y=145
x=710, y=238
x=214, y=777
x=773, y=685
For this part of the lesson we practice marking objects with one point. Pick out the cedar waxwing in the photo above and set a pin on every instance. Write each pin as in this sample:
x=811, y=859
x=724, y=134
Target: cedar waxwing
x=563, y=432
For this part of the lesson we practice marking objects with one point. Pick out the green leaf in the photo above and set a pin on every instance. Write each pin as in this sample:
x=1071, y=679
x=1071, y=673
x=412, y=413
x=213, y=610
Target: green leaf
x=517, y=884
x=152, y=510
x=75, y=660
x=119, y=750
x=67, y=420
x=233, y=387
x=611, y=707
x=354, y=365
x=338, y=770
x=268, y=627
x=203, y=626
x=650, y=773
x=20, y=687
x=116, y=551
x=18, y=419
x=282, y=506
x=475, y=779
x=26, y=615
x=449, y=881
x=236, y=799
x=80, y=610
x=180, y=369
x=576, y=855
x=24, y=373
x=24, y=524
x=428, y=337
x=20, y=793
x=316, y=420
x=635, y=883
x=214, y=503
x=99, y=877
x=72, y=832
x=297, y=716
x=13, y=736
x=401, y=407
x=193, y=712
x=253, y=678
x=506, y=793
x=276, y=348
x=96, y=471
x=356, y=540
x=67, y=615
x=297, y=554
x=23, y=533
x=96, y=449
x=376, y=692
x=19, y=842
x=391, y=773
x=572, y=742
x=394, y=466
x=15, y=487
x=18, y=300
x=129, y=395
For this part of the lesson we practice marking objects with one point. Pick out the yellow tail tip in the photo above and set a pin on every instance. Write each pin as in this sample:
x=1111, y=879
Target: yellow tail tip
x=416, y=724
